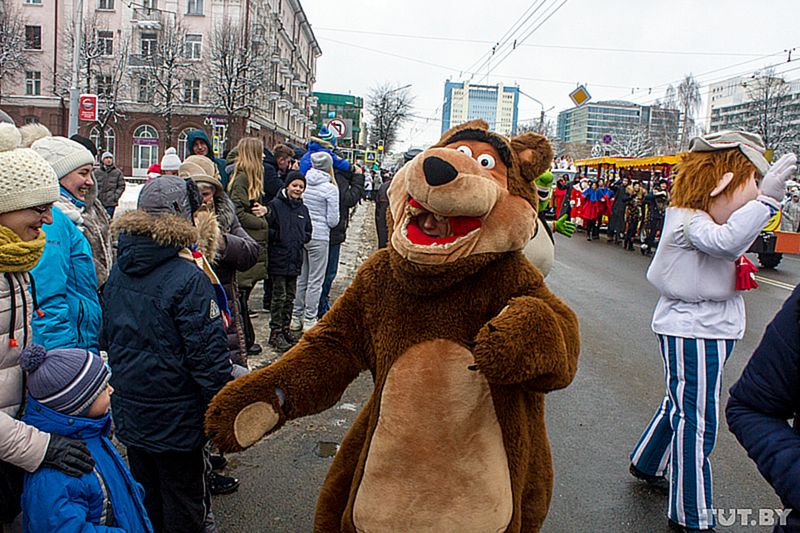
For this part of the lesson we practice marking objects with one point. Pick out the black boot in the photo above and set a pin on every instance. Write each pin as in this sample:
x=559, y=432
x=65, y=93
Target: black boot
x=218, y=462
x=219, y=484
x=278, y=341
x=291, y=339
x=657, y=482
x=674, y=526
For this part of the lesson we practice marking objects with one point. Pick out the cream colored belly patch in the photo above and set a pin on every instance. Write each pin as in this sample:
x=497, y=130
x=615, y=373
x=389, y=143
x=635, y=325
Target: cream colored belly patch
x=436, y=462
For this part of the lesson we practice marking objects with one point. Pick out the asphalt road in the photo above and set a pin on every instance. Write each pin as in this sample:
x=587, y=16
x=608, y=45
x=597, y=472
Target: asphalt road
x=592, y=424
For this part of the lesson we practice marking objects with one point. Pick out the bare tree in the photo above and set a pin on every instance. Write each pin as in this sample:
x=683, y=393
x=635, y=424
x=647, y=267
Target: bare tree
x=768, y=112
x=111, y=90
x=239, y=72
x=167, y=68
x=689, y=99
x=635, y=142
x=13, y=59
x=389, y=108
x=91, y=53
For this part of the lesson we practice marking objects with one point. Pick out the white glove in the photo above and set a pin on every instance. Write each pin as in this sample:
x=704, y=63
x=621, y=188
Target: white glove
x=572, y=203
x=774, y=184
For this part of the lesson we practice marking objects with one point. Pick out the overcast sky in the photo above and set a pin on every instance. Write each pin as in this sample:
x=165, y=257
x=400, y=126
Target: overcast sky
x=620, y=49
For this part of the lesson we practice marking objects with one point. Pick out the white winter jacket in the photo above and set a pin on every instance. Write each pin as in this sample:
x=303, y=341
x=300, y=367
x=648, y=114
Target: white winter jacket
x=694, y=271
x=20, y=444
x=322, y=200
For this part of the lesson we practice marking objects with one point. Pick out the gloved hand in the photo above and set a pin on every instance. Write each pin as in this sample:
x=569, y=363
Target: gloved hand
x=774, y=184
x=564, y=226
x=68, y=455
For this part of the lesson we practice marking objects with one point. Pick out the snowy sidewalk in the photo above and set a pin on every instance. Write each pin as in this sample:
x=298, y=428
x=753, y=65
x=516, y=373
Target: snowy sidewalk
x=360, y=244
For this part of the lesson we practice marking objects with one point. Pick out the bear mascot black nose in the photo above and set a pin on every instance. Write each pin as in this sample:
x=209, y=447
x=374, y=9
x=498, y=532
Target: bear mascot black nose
x=438, y=171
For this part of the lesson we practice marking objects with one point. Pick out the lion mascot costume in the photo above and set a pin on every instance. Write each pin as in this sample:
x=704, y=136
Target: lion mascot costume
x=462, y=339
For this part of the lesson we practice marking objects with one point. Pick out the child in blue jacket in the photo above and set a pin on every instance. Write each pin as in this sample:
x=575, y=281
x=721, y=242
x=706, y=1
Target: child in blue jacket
x=69, y=395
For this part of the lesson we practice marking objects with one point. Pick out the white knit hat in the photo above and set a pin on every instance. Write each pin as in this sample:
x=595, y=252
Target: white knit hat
x=170, y=161
x=64, y=155
x=26, y=180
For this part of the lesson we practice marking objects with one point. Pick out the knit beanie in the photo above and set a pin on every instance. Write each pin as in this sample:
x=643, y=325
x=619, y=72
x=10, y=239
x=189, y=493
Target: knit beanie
x=26, y=180
x=170, y=161
x=66, y=380
x=167, y=195
x=106, y=155
x=322, y=161
x=326, y=135
x=295, y=175
x=63, y=154
x=208, y=166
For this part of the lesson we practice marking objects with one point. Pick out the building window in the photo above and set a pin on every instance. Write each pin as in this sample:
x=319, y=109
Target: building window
x=145, y=149
x=193, y=47
x=104, y=85
x=146, y=91
x=33, y=83
x=149, y=42
x=105, y=42
x=105, y=4
x=34, y=2
x=194, y=7
x=191, y=91
x=31, y=120
x=110, y=140
x=183, y=152
x=33, y=37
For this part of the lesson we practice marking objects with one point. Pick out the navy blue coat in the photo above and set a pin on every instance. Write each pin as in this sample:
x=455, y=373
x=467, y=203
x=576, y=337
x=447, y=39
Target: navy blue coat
x=166, y=344
x=764, y=398
x=289, y=230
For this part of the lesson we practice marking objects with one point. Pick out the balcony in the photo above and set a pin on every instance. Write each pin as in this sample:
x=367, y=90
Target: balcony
x=147, y=19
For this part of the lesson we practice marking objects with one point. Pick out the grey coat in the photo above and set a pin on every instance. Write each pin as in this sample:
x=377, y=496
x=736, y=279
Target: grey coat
x=110, y=185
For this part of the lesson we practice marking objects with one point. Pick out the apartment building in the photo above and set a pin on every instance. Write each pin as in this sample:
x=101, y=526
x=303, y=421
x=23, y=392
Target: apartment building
x=496, y=104
x=120, y=62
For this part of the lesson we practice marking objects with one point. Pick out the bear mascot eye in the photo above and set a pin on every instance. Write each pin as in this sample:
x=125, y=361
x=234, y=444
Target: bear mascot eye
x=486, y=161
x=465, y=150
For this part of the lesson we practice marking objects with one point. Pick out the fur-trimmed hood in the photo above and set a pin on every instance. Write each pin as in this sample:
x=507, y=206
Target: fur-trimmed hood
x=146, y=241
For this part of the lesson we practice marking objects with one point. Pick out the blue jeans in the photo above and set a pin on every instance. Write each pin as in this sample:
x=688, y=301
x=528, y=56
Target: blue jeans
x=330, y=275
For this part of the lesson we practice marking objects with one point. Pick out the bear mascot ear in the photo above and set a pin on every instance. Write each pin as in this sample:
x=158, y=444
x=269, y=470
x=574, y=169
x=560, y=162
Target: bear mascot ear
x=534, y=154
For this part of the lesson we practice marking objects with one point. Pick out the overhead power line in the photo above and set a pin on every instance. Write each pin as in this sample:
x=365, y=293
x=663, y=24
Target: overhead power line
x=547, y=46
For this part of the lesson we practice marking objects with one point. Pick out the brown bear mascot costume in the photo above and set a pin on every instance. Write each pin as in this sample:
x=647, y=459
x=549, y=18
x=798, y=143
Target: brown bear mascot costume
x=462, y=339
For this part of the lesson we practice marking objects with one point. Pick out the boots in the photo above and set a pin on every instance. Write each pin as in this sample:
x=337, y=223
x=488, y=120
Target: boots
x=278, y=341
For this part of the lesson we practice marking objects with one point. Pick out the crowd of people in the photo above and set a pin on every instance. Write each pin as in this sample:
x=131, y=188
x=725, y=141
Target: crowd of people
x=98, y=302
x=632, y=213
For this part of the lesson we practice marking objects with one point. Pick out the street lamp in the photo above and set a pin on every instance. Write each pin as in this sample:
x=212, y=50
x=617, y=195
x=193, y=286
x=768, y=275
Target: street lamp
x=399, y=89
x=541, y=117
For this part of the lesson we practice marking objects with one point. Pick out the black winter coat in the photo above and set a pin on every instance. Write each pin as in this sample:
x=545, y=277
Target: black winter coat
x=166, y=344
x=289, y=230
x=381, y=207
x=351, y=190
x=765, y=397
x=273, y=181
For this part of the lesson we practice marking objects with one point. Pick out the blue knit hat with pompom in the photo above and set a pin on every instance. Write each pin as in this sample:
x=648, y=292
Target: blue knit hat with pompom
x=66, y=380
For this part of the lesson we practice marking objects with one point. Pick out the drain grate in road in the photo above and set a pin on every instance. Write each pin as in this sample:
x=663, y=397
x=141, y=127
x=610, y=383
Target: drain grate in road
x=327, y=449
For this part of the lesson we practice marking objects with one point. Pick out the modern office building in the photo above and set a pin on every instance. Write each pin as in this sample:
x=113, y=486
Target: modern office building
x=589, y=123
x=496, y=104
x=741, y=103
x=346, y=108
x=122, y=38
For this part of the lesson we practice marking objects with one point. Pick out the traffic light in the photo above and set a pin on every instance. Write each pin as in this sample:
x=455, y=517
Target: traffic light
x=380, y=145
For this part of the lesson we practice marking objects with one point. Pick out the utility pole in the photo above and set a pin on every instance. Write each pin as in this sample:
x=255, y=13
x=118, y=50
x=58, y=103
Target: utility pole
x=76, y=68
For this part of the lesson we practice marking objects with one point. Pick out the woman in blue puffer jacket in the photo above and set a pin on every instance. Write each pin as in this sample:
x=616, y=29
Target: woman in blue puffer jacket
x=66, y=281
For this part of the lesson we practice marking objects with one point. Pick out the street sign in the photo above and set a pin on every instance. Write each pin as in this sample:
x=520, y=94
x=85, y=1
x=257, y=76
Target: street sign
x=607, y=139
x=87, y=107
x=370, y=156
x=580, y=96
x=338, y=127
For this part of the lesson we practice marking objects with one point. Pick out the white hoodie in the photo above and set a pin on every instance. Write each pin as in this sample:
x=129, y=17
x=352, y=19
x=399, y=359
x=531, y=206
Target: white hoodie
x=322, y=200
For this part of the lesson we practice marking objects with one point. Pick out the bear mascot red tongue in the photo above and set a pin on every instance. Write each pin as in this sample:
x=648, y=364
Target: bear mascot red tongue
x=462, y=339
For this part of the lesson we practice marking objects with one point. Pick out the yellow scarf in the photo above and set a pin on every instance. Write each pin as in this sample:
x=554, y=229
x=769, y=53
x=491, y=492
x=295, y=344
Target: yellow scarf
x=17, y=255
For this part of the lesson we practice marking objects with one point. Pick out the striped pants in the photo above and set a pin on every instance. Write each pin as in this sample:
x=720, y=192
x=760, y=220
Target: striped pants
x=683, y=431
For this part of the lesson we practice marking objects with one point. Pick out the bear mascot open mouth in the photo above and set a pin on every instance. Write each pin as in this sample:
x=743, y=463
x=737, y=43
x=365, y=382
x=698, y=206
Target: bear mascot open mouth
x=462, y=339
